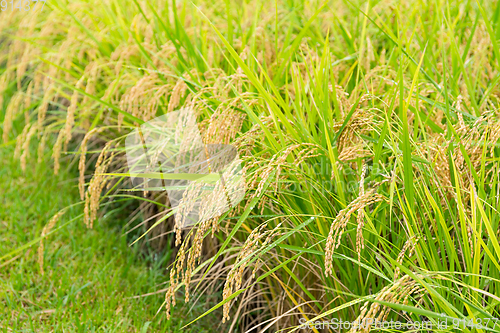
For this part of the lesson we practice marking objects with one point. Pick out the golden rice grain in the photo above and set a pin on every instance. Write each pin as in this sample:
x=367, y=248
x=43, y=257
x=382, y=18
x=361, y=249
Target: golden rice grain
x=20, y=139
x=23, y=65
x=178, y=91
x=42, y=109
x=41, y=146
x=3, y=86
x=81, y=162
x=396, y=293
x=25, y=147
x=258, y=238
x=70, y=114
x=410, y=247
x=97, y=184
x=45, y=231
x=56, y=152
x=360, y=243
x=27, y=102
x=340, y=222
x=10, y=115
x=91, y=72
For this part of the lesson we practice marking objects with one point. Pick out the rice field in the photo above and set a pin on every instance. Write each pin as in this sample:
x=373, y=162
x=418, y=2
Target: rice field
x=367, y=133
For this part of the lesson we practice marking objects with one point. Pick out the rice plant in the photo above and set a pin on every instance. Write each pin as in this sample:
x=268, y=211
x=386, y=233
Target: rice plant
x=368, y=133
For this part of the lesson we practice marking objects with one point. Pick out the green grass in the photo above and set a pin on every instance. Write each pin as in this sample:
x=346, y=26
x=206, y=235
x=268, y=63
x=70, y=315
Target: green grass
x=91, y=276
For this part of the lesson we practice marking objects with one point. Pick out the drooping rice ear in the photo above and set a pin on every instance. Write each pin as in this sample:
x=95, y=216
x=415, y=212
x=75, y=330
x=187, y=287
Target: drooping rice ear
x=27, y=102
x=398, y=292
x=177, y=93
x=98, y=182
x=360, y=241
x=44, y=106
x=340, y=223
x=25, y=148
x=258, y=238
x=41, y=146
x=82, y=160
x=45, y=231
x=56, y=152
x=410, y=247
x=11, y=114
x=70, y=114
x=20, y=139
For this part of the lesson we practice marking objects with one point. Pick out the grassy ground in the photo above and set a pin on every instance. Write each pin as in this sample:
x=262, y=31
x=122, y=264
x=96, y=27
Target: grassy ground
x=91, y=276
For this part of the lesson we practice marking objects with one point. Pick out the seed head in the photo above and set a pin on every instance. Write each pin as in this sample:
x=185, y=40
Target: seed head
x=45, y=231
